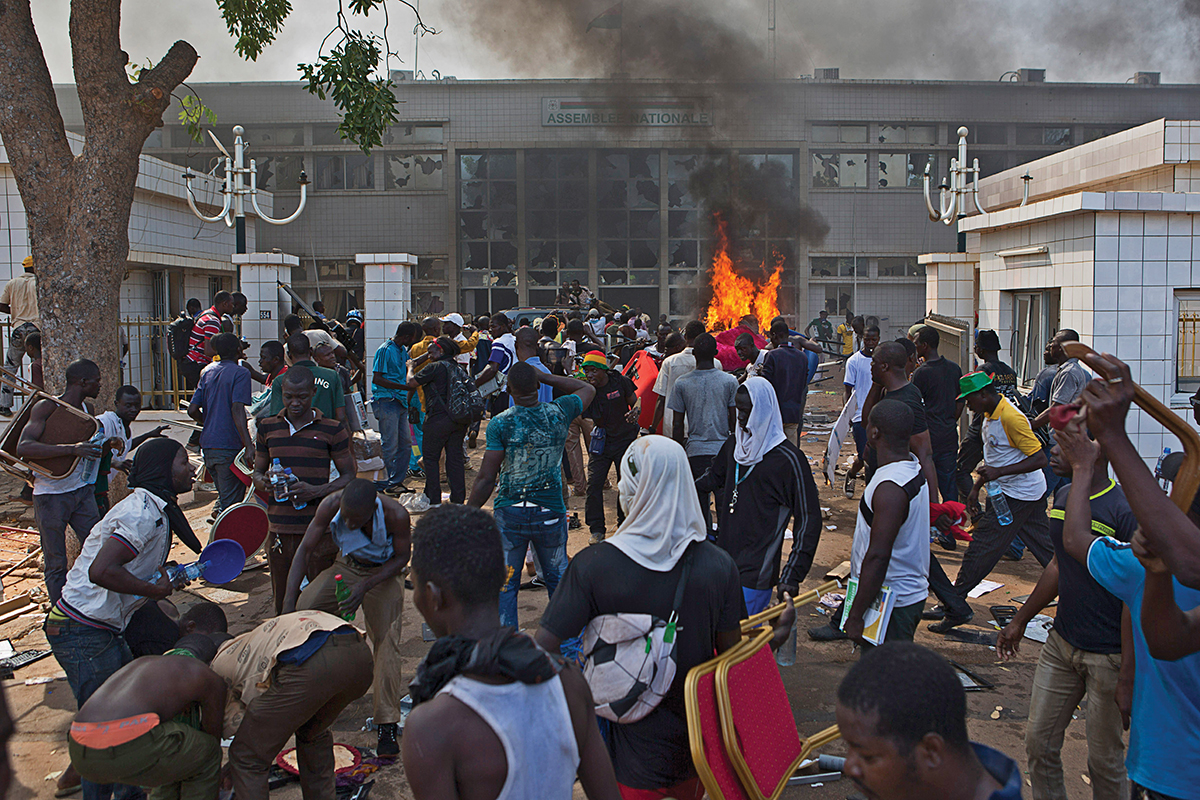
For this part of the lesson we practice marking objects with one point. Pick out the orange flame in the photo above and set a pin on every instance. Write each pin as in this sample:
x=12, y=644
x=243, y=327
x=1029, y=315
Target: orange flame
x=735, y=296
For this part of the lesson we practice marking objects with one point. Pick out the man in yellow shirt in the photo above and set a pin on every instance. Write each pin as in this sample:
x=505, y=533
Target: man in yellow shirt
x=848, y=330
x=19, y=301
x=1012, y=462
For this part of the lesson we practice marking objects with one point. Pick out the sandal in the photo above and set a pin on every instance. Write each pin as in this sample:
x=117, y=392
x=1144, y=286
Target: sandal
x=848, y=487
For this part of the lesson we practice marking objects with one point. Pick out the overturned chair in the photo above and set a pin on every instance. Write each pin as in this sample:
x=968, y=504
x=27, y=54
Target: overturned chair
x=743, y=738
x=65, y=425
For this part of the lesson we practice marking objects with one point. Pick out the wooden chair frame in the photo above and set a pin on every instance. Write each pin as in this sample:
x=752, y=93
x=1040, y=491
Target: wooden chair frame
x=26, y=469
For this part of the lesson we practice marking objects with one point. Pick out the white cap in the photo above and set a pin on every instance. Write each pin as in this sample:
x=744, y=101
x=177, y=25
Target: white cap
x=455, y=318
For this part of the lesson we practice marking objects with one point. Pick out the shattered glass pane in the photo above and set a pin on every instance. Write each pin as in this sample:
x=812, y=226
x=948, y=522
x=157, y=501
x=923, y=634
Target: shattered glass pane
x=572, y=255
x=474, y=255
x=613, y=278
x=542, y=223
x=683, y=224
x=573, y=224
x=825, y=168
x=611, y=194
x=825, y=133
x=683, y=254
x=852, y=169
x=922, y=134
x=330, y=173
x=644, y=194
x=612, y=165
x=854, y=133
x=539, y=165
x=643, y=254
x=646, y=277
x=472, y=167
x=572, y=194
x=643, y=164
x=893, y=169
x=471, y=224
x=399, y=172
x=644, y=224
x=612, y=224
x=473, y=195
x=612, y=255
x=542, y=255
x=916, y=168
x=502, y=225
x=504, y=255
x=502, y=164
x=503, y=195
x=427, y=171
x=572, y=164
x=892, y=134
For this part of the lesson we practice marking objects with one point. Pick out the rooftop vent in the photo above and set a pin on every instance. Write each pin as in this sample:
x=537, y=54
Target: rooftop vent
x=1031, y=75
x=1147, y=78
x=826, y=73
x=401, y=75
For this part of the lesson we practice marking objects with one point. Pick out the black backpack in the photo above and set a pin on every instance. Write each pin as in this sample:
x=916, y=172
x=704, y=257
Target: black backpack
x=463, y=402
x=179, y=337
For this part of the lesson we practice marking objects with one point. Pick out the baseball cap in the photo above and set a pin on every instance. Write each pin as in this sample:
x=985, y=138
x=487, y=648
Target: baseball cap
x=972, y=383
x=455, y=318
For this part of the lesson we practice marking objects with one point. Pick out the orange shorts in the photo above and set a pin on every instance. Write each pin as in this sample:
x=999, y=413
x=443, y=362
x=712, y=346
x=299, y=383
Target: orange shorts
x=99, y=735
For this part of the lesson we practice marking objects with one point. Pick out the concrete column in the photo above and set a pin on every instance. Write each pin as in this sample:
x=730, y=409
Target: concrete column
x=387, y=297
x=950, y=284
x=266, y=303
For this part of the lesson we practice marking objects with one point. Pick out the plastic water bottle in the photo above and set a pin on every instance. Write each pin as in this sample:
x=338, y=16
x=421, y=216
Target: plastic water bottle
x=91, y=466
x=184, y=572
x=292, y=480
x=785, y=656
x=278, y=480
x=1158, y=467
x=999, y=504
x=341, y=591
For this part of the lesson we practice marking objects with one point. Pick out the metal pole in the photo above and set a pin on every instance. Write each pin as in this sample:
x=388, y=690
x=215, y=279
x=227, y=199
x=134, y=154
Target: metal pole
x=239, y=205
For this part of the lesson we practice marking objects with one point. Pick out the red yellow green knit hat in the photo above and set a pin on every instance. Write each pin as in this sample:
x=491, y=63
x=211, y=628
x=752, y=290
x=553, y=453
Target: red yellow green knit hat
x=595, y=359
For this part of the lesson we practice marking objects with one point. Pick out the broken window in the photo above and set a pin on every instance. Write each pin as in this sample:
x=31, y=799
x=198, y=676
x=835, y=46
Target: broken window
x=279, y=173
x=907, y=134
x=832, y=170
x=978, y=133
x=904, y=170
x=412, y=133
x=900, y=267
x=330, y=172
x=360, y=172
x=556, y=201
x=414, y=171
x=1056, y=136
x=487, y=227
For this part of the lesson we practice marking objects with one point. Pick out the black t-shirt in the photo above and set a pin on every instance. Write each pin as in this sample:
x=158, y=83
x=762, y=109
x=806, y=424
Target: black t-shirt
x=777, y=491
x=435, y=378
x=612, y=404
x=911, y=396
x=1088, y=616
x=652, y=752
x=938, y=383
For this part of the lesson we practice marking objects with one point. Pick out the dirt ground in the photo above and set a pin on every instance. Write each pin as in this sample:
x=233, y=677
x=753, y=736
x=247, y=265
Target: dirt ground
x=43, y=710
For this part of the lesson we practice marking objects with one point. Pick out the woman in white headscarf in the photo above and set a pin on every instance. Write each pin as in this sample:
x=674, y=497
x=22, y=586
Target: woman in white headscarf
x=638, y=571
x=762, y=482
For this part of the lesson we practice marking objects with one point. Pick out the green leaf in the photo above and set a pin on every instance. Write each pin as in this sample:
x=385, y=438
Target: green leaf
x=254, y=24
x=192, y=114
x=347, y=75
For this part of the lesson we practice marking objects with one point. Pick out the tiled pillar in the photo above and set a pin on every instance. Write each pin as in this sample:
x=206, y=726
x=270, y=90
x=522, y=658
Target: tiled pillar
x=387, y=296
x=266, y=303
x=950, y=284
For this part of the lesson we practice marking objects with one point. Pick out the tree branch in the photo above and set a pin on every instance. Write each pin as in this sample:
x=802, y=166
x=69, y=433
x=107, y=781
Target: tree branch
x=30, y=122
x=155, y=85
x=97, y=58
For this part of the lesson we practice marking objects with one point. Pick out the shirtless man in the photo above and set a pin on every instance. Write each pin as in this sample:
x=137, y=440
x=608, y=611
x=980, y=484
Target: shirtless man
x=545, y=718
x=127, y=731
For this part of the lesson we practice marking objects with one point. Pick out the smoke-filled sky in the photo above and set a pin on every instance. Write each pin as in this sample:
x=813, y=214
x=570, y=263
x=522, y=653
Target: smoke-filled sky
x=1074, y=40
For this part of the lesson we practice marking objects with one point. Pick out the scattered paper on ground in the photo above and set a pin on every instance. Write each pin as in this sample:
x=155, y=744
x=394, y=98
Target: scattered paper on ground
x=983, y=588
x=1039, y=627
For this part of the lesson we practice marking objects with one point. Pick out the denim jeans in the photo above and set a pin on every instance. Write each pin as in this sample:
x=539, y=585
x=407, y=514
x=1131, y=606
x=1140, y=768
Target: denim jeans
x=230, y=491
x=946, y=467
x=397, y=442
x=90, y=656
x=54, y=512
x=521, y=526
x=417, y=432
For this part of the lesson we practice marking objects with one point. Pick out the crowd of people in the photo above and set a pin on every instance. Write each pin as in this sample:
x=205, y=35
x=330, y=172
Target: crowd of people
x=698, y=430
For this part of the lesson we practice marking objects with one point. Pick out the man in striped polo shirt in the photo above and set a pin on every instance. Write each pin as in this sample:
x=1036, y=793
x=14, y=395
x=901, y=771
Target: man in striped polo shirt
x=307, y=442
x=206, y=326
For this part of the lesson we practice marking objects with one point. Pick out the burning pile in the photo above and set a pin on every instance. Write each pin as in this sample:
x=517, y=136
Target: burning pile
x=735, y=296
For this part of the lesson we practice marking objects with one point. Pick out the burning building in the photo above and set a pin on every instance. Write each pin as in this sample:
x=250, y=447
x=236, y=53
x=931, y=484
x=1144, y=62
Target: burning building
x=506, y=189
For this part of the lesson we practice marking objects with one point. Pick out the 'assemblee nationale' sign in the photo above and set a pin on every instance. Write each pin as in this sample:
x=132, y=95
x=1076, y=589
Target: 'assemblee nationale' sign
x=665, y=112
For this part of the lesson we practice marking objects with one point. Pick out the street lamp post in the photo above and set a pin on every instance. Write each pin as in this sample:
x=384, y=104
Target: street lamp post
x=233, y=211
x=952, y=195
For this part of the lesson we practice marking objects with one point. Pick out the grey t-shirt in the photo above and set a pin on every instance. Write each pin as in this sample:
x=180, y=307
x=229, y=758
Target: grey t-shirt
x=1068, y=382
x=704, y=397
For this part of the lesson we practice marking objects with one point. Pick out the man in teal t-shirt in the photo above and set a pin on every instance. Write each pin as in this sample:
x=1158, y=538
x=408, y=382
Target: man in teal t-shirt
x=524, y=456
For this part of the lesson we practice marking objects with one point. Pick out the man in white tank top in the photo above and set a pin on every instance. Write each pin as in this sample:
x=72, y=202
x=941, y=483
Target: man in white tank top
x=495, y=716
x=891, y=537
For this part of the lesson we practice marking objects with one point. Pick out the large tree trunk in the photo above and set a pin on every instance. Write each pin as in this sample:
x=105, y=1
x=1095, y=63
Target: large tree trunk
x=77, y=207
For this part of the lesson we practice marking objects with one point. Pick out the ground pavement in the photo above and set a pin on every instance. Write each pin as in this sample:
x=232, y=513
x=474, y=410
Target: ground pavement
x=43, y=711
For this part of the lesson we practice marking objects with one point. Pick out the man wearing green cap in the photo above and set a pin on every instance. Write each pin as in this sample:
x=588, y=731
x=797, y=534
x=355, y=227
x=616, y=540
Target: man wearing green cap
x=1012, y=458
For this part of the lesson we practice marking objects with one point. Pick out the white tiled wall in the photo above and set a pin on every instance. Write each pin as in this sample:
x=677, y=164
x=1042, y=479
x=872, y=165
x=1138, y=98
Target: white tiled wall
x=387, y=293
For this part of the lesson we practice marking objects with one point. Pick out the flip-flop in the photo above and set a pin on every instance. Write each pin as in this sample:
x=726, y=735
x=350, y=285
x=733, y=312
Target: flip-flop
x=67, y=791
